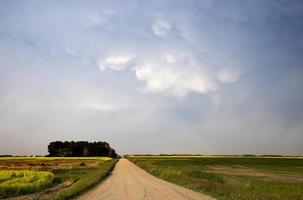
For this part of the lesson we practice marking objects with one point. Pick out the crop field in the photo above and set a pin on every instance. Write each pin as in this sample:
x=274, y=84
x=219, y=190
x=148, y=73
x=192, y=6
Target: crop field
x=48, y=163
x=14, y=182
x=50, y=177
x=268, y=178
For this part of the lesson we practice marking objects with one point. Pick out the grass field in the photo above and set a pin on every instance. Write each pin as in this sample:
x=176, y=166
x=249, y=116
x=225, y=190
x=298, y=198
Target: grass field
x=16, y=182
x=55, y=178
x=268, y=178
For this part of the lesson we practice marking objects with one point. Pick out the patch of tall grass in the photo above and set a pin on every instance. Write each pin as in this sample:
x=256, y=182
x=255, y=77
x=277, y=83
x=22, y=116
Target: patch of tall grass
x=17, y=182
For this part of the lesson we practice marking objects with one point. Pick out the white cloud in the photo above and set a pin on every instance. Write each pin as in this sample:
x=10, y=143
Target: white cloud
x=117, y=62
x=227, y=76
x=172, y=80
x=171, y=58
x=175, y=74
x=161, y=28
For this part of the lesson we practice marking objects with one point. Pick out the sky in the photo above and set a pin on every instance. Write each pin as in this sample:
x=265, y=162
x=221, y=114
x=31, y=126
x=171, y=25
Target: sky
x=171, y=76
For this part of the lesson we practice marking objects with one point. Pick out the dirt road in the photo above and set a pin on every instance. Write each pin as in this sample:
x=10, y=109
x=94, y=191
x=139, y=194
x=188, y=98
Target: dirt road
x=129, y=182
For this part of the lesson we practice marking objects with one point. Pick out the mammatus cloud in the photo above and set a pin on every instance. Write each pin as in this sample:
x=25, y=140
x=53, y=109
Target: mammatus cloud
x=116, y=62
x=170, y=80
x=161, y=28
x=172, y=74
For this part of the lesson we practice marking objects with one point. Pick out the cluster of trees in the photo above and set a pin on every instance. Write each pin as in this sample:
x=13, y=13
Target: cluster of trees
x=81, y=148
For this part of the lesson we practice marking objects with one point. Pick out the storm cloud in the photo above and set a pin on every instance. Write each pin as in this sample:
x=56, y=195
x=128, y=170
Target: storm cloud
x=172, y=76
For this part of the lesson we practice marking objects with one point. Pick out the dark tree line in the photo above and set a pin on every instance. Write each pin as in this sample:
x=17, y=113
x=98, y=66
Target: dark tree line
x=79, y=149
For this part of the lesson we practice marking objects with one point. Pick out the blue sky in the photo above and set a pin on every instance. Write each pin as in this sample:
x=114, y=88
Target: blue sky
x=204, y=76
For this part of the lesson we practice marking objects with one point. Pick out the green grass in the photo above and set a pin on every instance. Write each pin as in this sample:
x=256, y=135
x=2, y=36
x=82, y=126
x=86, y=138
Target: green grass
x=236, y=178
x=17, y=182
x=83, y=179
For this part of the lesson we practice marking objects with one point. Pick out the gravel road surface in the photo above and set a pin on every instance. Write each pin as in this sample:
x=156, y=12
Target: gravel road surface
x=129, y=182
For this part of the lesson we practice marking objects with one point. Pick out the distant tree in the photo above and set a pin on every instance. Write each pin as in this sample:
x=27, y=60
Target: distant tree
x=81, y=148
x=54, y=147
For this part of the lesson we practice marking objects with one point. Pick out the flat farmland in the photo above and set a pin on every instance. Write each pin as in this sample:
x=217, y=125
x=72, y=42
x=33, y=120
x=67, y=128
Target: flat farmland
x=38, y=163
x=274, y=178
x=51, y=177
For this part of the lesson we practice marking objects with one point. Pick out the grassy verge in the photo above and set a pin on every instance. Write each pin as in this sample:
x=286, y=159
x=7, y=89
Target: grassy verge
x=82, y=179
x=236, y=178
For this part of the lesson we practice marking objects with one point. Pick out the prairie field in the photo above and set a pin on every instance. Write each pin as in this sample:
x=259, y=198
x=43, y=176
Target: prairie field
x=50, y=177
x=232, y=177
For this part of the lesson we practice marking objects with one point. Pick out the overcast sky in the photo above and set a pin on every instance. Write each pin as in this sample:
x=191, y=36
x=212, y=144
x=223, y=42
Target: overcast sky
x=166, y=76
